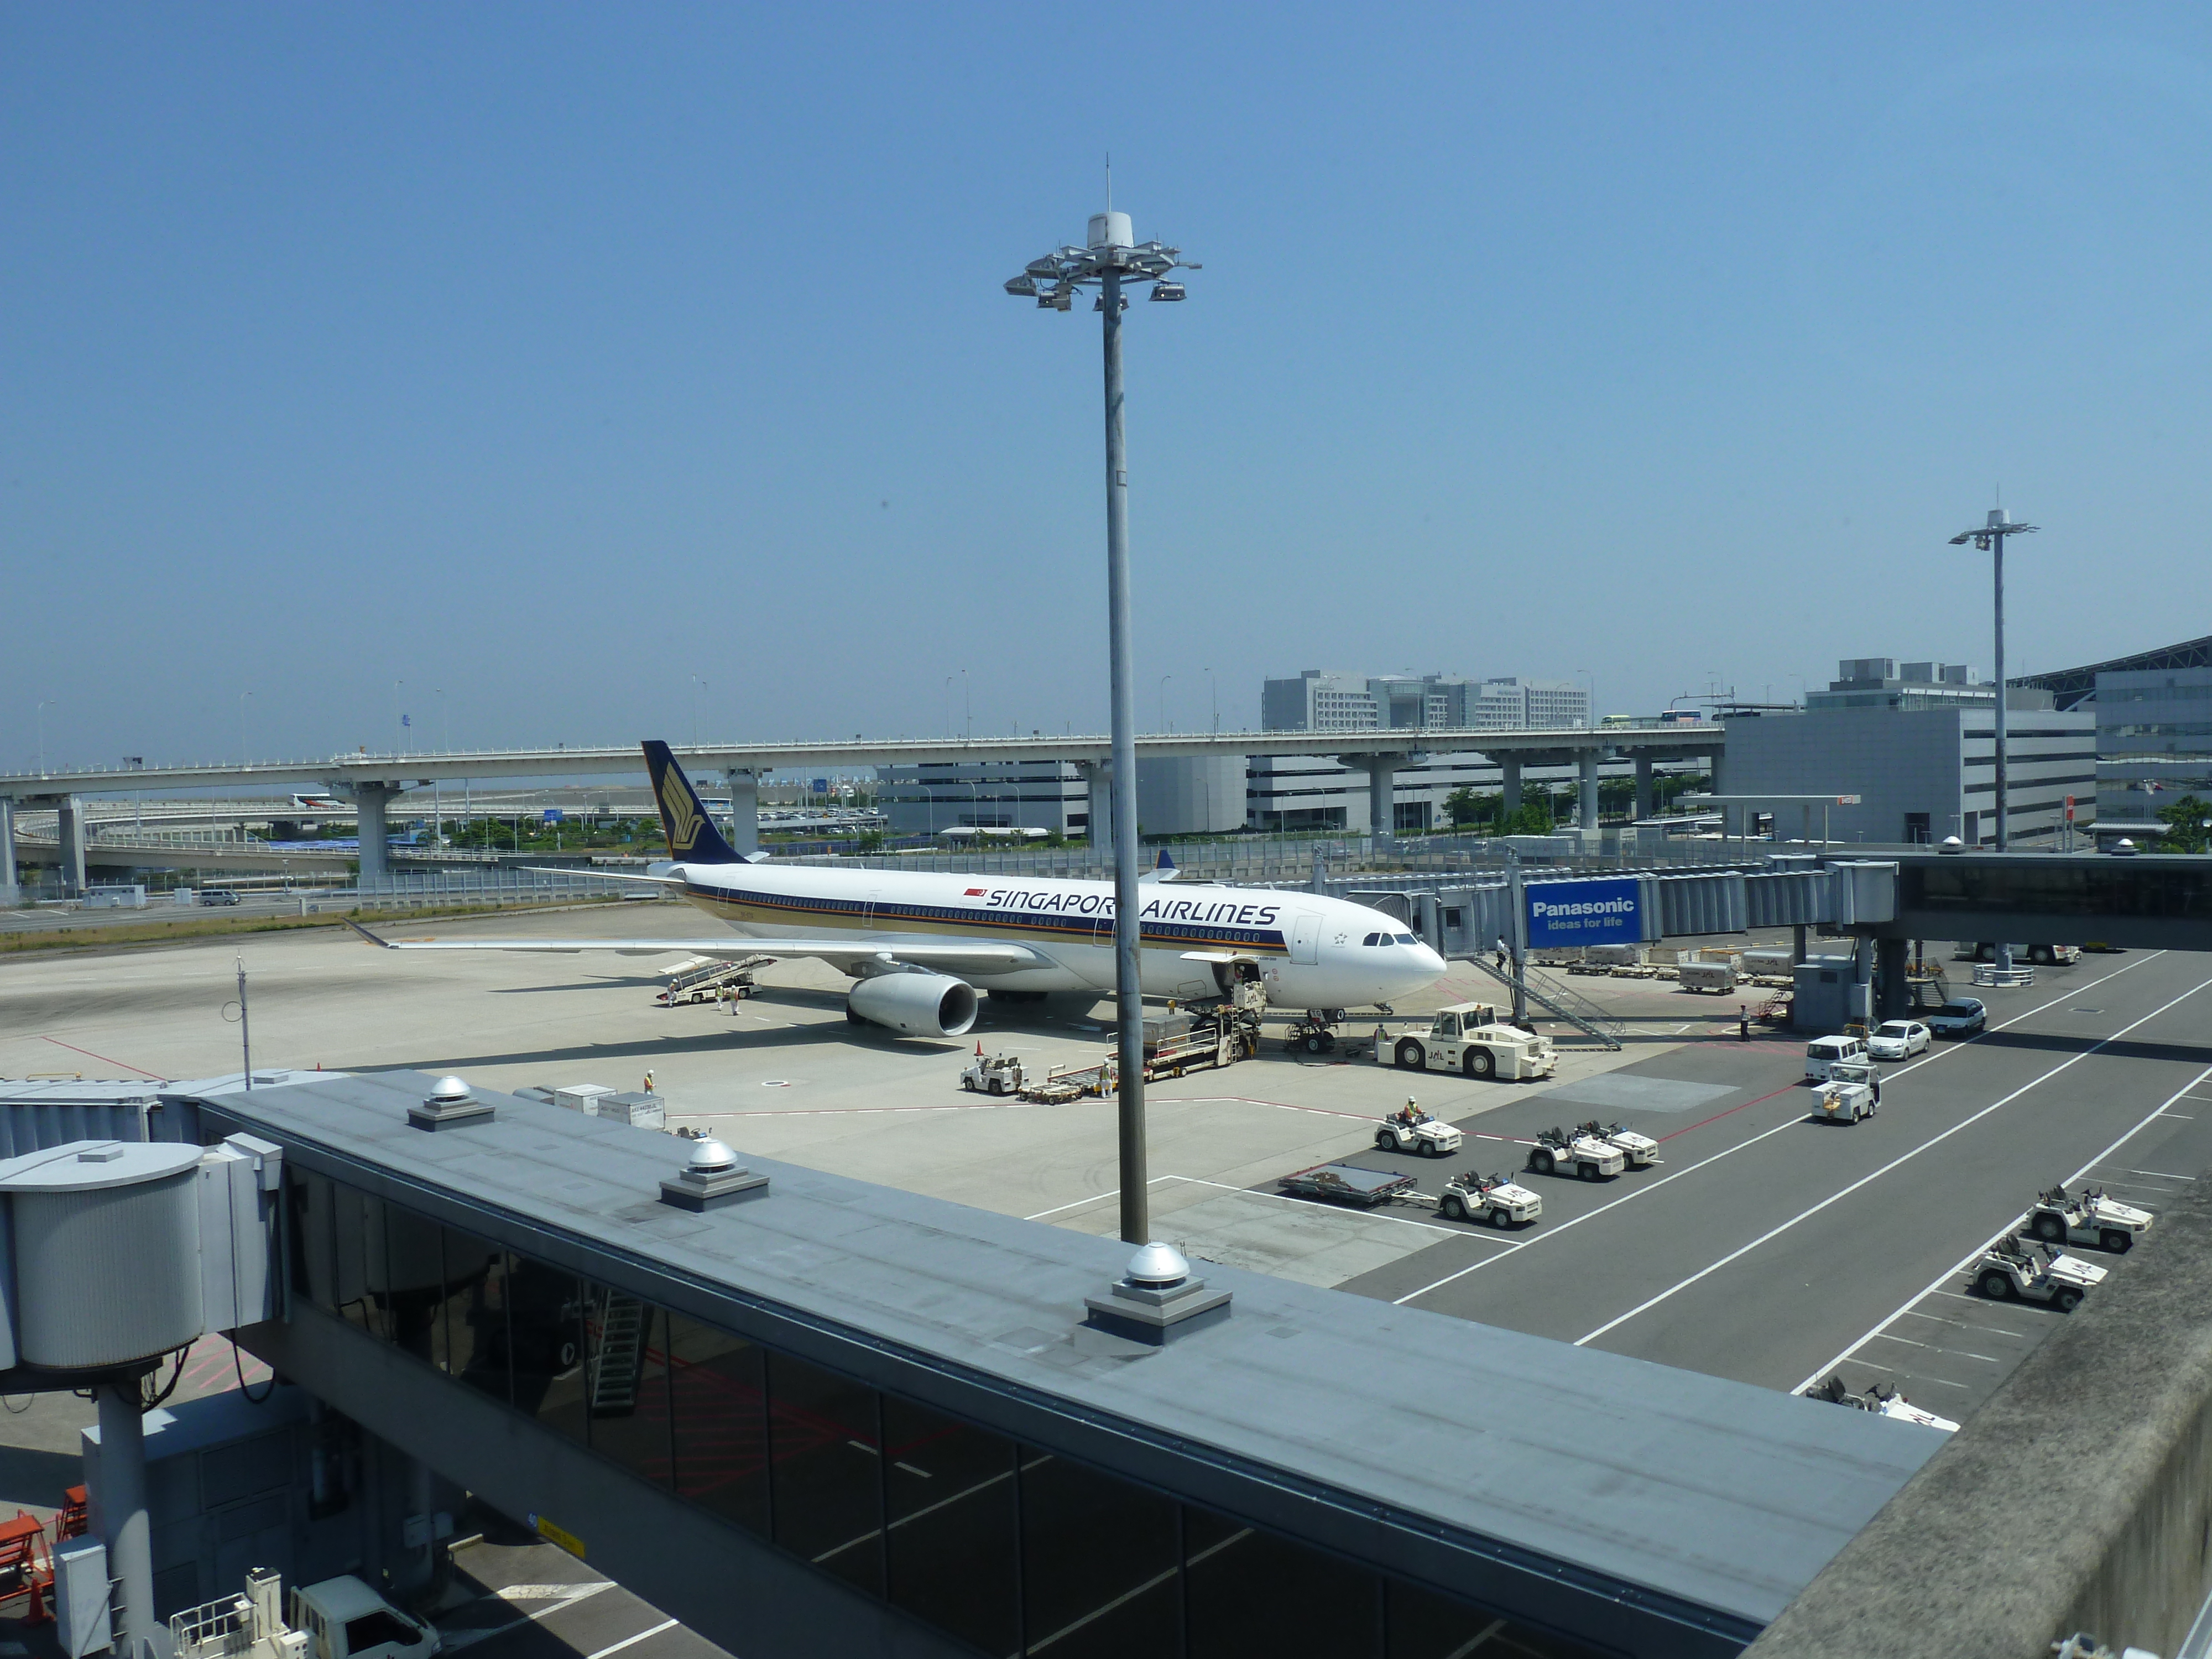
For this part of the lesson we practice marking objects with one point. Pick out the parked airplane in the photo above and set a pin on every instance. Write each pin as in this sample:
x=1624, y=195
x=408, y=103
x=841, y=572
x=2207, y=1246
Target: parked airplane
x=918, y=945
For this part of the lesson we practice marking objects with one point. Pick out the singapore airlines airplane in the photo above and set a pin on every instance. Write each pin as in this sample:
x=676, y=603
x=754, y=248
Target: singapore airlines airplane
x=918, y=945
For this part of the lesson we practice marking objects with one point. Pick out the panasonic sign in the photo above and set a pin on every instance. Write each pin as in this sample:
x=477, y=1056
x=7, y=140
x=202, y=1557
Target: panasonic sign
x=1570, y=912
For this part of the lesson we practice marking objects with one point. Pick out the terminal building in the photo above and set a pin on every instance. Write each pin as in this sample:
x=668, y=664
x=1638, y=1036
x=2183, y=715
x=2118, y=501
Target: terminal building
x=2154, y=713
x=809, y=1416
x=1318, y=701
x=1917, y=744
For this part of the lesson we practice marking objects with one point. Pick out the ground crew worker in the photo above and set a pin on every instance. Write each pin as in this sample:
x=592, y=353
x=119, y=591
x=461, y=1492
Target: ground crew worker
x=1501, y=953
x=1743, y=1021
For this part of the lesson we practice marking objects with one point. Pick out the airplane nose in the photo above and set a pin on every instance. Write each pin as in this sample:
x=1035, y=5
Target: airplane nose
x=1431, y=965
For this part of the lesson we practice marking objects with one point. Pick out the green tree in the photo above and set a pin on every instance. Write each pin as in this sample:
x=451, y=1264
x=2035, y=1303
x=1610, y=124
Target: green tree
x=1464, y=807
x=2188, y=825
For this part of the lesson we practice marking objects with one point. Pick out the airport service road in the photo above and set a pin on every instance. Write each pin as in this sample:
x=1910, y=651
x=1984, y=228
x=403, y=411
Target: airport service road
x=1769, y=1246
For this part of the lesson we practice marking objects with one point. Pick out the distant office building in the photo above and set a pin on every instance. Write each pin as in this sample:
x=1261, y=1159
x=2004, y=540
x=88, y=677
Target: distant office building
x=1321, y=701
x=1506, y=704
x=1919, y=750
x=1318, y=701
x=1041, y=795
x=1883, y=683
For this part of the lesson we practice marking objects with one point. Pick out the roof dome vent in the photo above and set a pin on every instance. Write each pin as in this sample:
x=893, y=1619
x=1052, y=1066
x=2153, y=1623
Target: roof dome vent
x=1156, y=1267
x=449, y=1102
x=712, y=1177
x=710, y=1158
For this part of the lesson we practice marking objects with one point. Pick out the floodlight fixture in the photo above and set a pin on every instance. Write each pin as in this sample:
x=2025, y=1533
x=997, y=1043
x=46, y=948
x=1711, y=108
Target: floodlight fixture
x=1111, y=260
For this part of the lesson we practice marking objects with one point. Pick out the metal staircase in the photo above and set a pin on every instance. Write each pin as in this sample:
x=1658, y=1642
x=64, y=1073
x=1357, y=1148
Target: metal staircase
x=1560, y=1000
x=618, y=1356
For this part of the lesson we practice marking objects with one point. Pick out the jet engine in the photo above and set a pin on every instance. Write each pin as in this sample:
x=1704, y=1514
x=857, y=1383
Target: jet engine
x=914, y=1003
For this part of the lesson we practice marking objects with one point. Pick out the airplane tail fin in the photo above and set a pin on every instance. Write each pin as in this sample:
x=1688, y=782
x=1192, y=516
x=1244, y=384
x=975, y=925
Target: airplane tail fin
x=691, y=833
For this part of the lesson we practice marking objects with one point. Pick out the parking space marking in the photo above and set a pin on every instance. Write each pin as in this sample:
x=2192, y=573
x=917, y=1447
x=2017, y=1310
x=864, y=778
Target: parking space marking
x=2162, y=1175
x=1960, y=1324
x=1898, y=1162
x=632, y=1641
x=1937, y=1286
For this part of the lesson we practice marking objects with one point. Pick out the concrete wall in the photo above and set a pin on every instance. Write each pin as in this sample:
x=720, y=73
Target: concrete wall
x=1191, y=795
x=2079, y=1499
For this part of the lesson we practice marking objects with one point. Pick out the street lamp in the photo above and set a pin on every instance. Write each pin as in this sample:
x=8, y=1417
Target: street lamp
x=1990, y=538
x=1110, y=258
x=1165, y=678
x=1589, y=710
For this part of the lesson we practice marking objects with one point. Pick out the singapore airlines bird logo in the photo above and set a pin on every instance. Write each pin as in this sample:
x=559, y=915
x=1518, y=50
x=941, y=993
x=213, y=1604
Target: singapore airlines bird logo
x=684, y=820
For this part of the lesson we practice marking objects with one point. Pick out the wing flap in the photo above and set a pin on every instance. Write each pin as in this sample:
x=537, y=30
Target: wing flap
x=950, y=957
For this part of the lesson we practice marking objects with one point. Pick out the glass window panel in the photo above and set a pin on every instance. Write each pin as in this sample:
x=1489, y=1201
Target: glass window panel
x=626, y=1382
x=1241, y=1601
x=545, y=1338
x=471, y=1332
x=825, y=1474
x=358, y=1283
x=719, y=1400
x=954, y=1529
x=315, y=1245
x=413, y=1292
x=1099, y=1564
x=1423, y=1626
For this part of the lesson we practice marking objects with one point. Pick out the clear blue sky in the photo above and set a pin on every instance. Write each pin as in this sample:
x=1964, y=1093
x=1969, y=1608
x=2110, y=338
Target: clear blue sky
x=545, y=358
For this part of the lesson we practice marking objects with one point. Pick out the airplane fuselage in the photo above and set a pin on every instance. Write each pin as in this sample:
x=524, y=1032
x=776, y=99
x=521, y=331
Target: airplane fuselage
x=1313, y=952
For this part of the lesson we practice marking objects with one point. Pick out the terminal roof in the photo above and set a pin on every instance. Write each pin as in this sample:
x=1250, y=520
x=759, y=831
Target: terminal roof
x=1713, y=1492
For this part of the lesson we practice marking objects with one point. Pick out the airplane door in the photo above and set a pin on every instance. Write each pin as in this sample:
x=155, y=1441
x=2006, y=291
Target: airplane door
x=868, y=907
x=1305, y=932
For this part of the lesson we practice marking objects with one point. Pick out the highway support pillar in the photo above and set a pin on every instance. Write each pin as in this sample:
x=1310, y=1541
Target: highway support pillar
x=1586, y=791
x=1098, y=790
x=69, y=836
x=1509, y=775
x=745, y=813
x=369, y=800
x=1893, y=996
x=1644, y=804
x=1382, y=794
x=126, y=1526
x=11, y=885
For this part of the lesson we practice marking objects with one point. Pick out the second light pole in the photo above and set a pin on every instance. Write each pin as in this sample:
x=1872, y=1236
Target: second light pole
x=1110, y=260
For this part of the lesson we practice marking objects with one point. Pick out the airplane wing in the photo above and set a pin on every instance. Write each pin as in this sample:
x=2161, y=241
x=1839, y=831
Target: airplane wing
x=953, y=957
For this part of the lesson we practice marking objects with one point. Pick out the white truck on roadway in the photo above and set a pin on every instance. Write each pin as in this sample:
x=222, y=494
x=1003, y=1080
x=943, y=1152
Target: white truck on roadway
x=1852, y=1092
x=1502, y=1203
x=1412, y=1130
x=2010, y=1271
x=1589, y=1158
x=2092, y=1218
x=1469, y=1037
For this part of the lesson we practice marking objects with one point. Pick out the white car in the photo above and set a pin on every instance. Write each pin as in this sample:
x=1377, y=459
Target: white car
x=1822, y=1052
x=1899, y=1039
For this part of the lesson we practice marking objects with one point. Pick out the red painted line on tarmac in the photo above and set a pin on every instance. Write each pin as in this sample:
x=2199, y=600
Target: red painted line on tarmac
x=103, y=1059
x=1731, y=1112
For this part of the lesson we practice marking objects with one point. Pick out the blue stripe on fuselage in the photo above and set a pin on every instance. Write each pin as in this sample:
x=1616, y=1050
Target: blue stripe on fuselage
x=882, y=917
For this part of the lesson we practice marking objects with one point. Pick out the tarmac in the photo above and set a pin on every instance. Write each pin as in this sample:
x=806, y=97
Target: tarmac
x=1766, y=1247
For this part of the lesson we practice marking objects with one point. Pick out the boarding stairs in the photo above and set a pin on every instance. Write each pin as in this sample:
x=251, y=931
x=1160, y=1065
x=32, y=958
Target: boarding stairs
x=1563, y=1002
x=618, y=1357
x=703, y=980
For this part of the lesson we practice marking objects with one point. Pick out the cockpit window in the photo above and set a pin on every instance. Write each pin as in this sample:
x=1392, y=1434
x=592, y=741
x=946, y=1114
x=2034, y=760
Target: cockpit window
x=1405, y=938
x=1372, y=939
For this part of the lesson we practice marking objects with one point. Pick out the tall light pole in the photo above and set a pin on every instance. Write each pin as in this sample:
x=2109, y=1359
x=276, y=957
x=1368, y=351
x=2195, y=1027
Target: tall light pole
x=1165, y=678
x=1109, y=258
x=1990, y=538
x=1213, y=691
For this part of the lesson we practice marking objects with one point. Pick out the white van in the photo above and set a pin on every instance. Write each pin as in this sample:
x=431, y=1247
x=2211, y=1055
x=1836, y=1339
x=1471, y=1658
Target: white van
x=1823, y=1053
x=343, y=1618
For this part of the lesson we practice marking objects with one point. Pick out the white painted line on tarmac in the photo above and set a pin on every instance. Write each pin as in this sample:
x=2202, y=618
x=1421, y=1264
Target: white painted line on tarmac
x=1937, y=1286
x=632, y=1641
x=2162, y=1175
x=1898, y=1162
